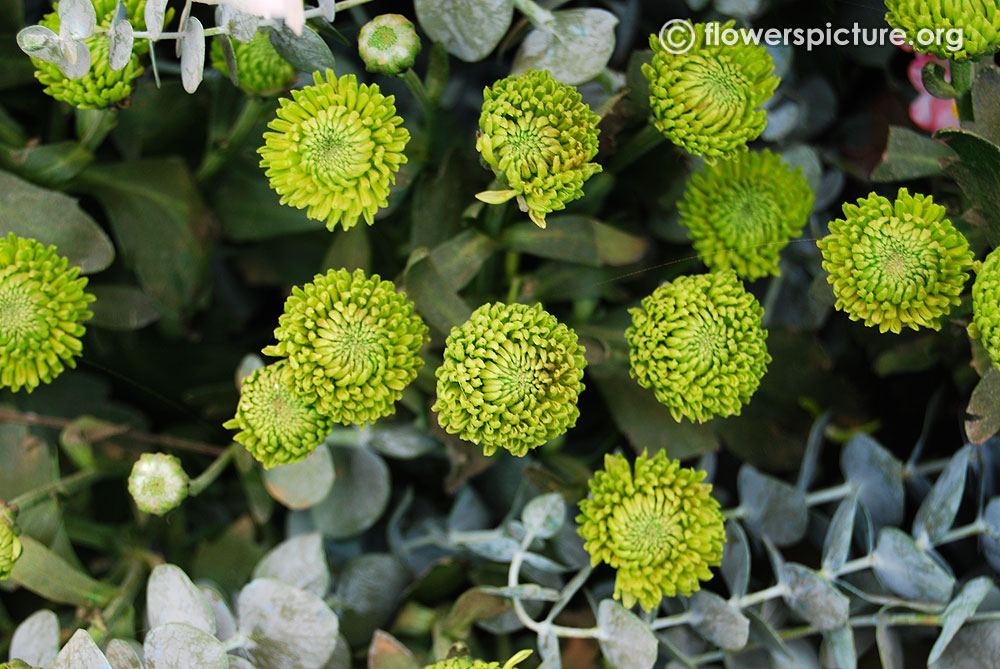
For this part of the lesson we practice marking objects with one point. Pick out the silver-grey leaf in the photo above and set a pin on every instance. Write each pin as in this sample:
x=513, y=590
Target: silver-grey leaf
x=991, y=538
x=41, y=43
x=736, y=559
x=958, y=611
x=626, y=641
x=180, y=646
x=890, y=649
x=717, y=621
x=154, y=14
x=80, y=652
x=120, y=42
x=523, y=591
x=192, y=45
x=302, y=484
x=124, y=654
x=171, y=597
x=299, y=561
x=976, y=645
x=838, y=648
x=225, y=621
x=937, y=512
x=121, y=14
x=78, y=17
x=75, y=62
x=469, y=29
x=814, y=598
x=879, y=477
x=837, y=545
x=328, y=8
x=575, y=46
x=544, y=515
x=306, y=52
x=358, y=497
x=908, y=571
x=242, y=26
x=36, y=640
x=773, y=508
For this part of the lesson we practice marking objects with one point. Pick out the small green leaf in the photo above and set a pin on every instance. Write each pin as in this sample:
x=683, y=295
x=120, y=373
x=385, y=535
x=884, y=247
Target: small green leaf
x=358, y=497
x=299, y=561
x=469, y=29
x=46, y=574
x=626, y=641
x=773, y=508
x=122, y=307
x=180, y=646
x=958, y=611
x=78, y=437
x=983, y=419
x=303, y=484
x=496, y=196
x=933, y=77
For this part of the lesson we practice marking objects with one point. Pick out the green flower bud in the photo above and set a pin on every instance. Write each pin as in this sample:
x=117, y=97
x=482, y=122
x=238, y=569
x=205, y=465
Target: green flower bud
x=42, y=307
x=698, y=343
x=469, y=663
x=10, y=545
x=706, y=99
x=659, y=527
x=335, y=149
x=539, y=138
x=510, y=378
x=388, y=44
x=895, y=264
x=101, y=86
x=158, y=483
x=978, y=22
x=260, y=68
x=986, y=306
x=277, y=426
x=352, y=344
x=743, y=210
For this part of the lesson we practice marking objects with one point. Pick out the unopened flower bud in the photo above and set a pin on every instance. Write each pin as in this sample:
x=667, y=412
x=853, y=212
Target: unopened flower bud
x=158, y=483
x=388, y=44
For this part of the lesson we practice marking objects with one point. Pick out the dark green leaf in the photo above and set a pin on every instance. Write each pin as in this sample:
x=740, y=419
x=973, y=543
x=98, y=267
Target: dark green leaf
x=437, y=302
x=46, y=574
x=350, y=250
x=122, y=307
x=577, y=239
x=986, y=103
x=308, y=52
x=983, y=419
x=47, y=164
x=933, y=77
x=368, y=592
x=439, y=200
x=910, y=155
x=460, y=258
x=977, y=171
x=229, y=559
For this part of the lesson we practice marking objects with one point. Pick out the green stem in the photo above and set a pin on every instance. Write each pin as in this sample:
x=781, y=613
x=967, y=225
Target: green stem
x=129, y=589
x=419, y=91
x=64, y=486
x=207, y=477
x=534, y=12
x=639, y=145
x=215, y=157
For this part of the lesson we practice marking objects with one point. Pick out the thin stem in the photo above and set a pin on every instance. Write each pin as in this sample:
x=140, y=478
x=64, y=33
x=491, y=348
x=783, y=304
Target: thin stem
x=970, y=530
x=64, y=486
x=419, y=91
x=129, y=588
x=215, y=158
x=830, y=494
x=761, y=596
x=534, y=12
x=673, y=621
x=178, y=443
x=852, y=566
x=207, y=477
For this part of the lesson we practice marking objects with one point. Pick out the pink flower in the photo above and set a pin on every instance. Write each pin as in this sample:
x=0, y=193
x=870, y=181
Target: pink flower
x=927, y=111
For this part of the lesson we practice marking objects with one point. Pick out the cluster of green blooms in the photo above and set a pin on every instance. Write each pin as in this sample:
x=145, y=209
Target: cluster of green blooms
x=510, y=378
x=977, y=20
x=259, y=68
x=101, y=86
x=706, y=99
x=42, y=307
x=660, y=527
x=539, y=138
x=985, y=300
x=742, y=211
x=388, y=44
x=10, y=545
x=158, y=483
x=335, y=149
x=895, y=264
x=469, y=663
x=699, y=344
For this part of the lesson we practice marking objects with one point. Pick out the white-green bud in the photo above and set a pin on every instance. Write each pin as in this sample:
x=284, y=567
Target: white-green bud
x=158, y=483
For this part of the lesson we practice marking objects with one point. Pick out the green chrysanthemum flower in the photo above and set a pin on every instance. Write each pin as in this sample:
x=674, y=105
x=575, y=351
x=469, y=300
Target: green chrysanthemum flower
x=986, y=306
x=468, y=663
x=510, y=378
x=335, y=149
x=743, y=210
x=10, y=545
x=539, y=138
x=259, y=68
x=660, y=527
x=101, y=86
x=42, y=307
x=706, y=99
x=895, y=264
x=388, y=44
x=925, y=21
x=352, y=344
x=698, y=343
x=277, y=426
x=158, y=483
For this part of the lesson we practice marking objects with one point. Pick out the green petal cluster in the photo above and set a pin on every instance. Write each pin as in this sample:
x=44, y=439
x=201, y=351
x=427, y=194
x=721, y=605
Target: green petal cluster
x=986, y=306
x=742, y=211
x=42, y=307
x=510, y=378
x=539, y=137
x=259, y=68
x=352, y=344
x=706, y=99
x=16, y=664
x=101, y=86
x=335, y=149
x=468, y=663
x=158, y=483
x=895, y=264
x=659, y=527
x=276, y=425
x=388, y=44
x=10, y=545
x=978, y=21
x=698, y=343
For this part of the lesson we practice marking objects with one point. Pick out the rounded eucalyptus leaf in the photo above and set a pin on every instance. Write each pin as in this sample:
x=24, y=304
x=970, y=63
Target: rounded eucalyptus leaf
x=359, y=496
x=242, y=27
x=80, y=652
x=544, y=515
x=838, y=648
x=626, y=641
x=192, y=46
x=36, y=640
x=801, y=655
x=225, y=621
x=878, y=476
x=171, y=597
x=736, y=559
x=77, y=17
x=341, y=658
x=290, y=628
x=402, y=441
x=236, y=662
x=837, y=545
x=154, y=14
x=719, y=622
x=368, y=591
x=307, y=52
x=937, y=512
x=468, y=29
x=814, y=598
x=303, y=484
x=991, y=538
x=958, y=611
x=75, y=62
x=121, y=307
x=299, y=561
x=41, y=43
x=903, y=568
x=774, y=509
x=124, y=654
x=120, y=40
x=328, y=8
x=890, y=648
x=975, y=646
x=575, y=46
x=180, y=646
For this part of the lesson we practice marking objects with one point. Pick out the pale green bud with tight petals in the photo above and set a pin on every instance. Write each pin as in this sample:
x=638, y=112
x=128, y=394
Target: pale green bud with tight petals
x=158, y=483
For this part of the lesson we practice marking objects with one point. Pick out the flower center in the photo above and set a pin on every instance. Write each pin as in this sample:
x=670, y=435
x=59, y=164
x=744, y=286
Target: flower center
x=336, y=146
x=720, y=82
x=273, y=409
x=747, y=217
x=19, y=315
x=530, y=146
x=383, y=38
x=896, y=261
x=644, y=529
x=353, y=350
